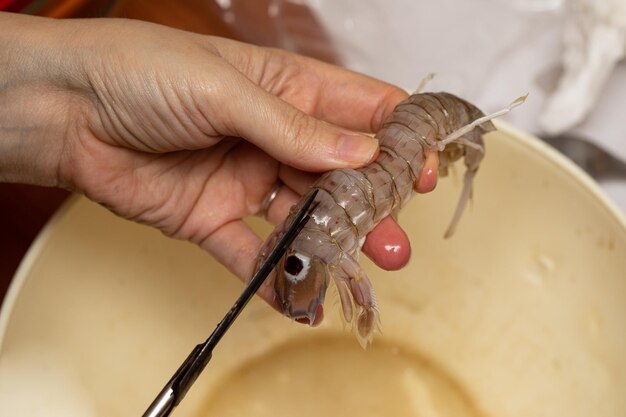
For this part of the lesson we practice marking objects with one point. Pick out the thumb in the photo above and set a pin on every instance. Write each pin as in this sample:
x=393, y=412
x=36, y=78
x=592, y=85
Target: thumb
x=290, y=135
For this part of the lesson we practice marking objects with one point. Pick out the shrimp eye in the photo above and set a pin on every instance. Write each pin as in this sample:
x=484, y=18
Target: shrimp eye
x=296, y=267
x=293, y=265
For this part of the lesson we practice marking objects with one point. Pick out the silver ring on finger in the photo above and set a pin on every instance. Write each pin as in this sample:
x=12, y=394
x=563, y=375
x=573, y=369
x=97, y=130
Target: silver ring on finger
x=269, y=198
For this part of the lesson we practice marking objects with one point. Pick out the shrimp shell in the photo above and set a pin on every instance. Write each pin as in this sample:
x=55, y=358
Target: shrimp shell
x=351, y=202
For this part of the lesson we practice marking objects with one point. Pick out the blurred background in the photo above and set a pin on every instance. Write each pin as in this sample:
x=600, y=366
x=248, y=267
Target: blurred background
x=567, y=54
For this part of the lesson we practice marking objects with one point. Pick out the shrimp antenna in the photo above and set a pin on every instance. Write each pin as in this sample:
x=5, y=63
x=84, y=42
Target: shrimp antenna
x=469, y=127
x=424, y=81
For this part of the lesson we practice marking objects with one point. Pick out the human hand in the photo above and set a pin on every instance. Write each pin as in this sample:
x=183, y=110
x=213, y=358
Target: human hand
x=149, y=122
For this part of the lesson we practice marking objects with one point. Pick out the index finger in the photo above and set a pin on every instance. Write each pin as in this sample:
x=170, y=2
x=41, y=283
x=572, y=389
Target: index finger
x=327, y=92
x=355, y=101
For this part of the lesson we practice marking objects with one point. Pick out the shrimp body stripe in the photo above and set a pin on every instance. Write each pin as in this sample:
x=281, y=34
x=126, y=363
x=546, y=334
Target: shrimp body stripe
x=397, y=193
x=392, y=181
x=335, y=232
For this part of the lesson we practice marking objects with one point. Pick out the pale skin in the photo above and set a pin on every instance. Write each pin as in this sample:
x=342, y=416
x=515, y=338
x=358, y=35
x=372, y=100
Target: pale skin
x=184, y=132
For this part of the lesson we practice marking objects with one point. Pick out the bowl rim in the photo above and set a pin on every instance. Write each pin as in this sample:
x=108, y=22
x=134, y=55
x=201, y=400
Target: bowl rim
x=543, y=150
x=27, y=262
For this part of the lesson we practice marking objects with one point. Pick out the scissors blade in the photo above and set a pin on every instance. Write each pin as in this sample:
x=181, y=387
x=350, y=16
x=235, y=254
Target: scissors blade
x=176, y=388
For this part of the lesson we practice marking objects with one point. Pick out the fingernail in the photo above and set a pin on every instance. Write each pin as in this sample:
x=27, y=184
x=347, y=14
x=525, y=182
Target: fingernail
x=355, y=148
x=429, y=175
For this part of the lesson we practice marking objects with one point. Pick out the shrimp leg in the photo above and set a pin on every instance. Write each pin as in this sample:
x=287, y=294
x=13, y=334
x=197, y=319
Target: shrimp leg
x=472, y=157
x=466, y=194
x=354, y=285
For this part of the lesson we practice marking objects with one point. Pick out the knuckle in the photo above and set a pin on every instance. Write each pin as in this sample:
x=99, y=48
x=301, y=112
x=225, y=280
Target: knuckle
x=301, y=133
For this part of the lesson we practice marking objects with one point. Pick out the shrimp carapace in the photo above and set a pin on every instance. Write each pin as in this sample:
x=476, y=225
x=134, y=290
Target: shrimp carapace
x=351, y=202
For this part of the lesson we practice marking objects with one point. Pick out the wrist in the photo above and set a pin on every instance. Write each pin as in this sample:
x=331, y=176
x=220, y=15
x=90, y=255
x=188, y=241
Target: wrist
x=34, y=99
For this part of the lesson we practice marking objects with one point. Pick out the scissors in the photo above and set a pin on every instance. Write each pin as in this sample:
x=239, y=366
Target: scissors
x=176, y=388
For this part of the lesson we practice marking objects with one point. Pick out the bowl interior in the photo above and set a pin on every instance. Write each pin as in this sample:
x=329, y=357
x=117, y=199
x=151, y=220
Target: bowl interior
x=520, y=313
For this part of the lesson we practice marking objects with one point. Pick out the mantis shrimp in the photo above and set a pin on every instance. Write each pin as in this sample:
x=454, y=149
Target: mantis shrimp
x=351, y=202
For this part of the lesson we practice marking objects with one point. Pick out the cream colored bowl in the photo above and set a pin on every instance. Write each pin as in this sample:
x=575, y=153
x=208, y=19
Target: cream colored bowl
x=522, y=313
